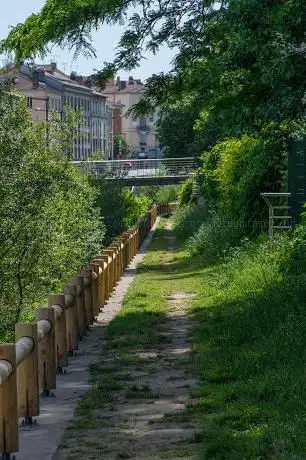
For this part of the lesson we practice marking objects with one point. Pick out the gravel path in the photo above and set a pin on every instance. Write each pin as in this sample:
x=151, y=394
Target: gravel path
x=148, y=421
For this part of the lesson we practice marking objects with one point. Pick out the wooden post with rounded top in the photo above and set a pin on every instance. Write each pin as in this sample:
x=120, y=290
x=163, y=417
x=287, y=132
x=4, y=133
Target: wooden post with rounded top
x=8, y=403
x=88, y=296
x=78, y=281
x=107, y=277
x=103, y=262
x=128, y=245
x=27, y=375
x=109, y=253
x=101, y=289
x=121, y=256
x=135, y=241
x=117, y=246
x=72, y=323
x=116, y=256
x=124, y=252
x=46, y=352
x=131, y=245
x=95, y=275
x=60, y=331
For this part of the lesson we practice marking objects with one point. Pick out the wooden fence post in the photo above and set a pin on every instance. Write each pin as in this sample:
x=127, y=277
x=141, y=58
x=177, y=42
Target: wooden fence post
x=46, y=353
x=96, y=301
x=103, y=261
x=88, y=296
x=107, y=278
x=102, y=298
x=60, y=331
x=72, y=323
x=8, y=404
x=27, y=375
x=125, y=251
x=78, y=281
x=116, y=251
x=110, y=254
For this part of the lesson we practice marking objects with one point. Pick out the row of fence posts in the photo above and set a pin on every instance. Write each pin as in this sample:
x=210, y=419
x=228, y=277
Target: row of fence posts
x=29, y=366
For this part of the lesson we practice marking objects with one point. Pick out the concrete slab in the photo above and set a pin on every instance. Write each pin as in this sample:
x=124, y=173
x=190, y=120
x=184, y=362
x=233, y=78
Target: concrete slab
x=40, y=441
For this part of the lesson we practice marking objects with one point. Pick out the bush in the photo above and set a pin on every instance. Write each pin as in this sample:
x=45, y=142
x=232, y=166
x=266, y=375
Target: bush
x=159, y=194
x=166, y=194
x=214, y=238
x=119, y=206
x=236, y=171
x=187, y=220
x=185, y=193
x=49, y=226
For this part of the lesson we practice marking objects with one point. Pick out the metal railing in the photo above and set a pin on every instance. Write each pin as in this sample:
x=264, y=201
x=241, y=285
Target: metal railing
x=140, y=168
x=279, y=218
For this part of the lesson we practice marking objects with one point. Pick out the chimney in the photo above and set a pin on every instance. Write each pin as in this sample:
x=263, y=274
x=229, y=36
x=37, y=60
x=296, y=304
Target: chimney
x=122, y=85
x=73, y=76
x=118, y=82
x=131, y=81
x=35, y=78
x=53, y=66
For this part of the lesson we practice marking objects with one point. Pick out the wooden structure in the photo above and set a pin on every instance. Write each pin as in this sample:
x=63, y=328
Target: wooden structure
x=29, y=366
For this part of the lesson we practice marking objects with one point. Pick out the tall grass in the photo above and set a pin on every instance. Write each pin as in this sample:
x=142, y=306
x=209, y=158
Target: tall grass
x=188, y=220
x=251, y=345
x=214, y=237
x=251, y=339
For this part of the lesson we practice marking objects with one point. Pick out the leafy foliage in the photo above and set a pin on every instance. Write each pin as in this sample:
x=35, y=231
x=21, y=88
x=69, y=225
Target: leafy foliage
x=119, y=206
x=159, y=194
x=49, y=226
x=121, y=147
x=185, y=193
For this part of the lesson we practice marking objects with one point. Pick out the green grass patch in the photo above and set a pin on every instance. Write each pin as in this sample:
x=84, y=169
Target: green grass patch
x=248, y=347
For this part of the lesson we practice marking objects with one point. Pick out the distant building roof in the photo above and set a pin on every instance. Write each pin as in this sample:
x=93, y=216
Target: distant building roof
x=123, y=87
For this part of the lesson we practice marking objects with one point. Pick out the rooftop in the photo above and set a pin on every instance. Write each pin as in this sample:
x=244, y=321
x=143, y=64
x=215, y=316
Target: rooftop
x=123, y=86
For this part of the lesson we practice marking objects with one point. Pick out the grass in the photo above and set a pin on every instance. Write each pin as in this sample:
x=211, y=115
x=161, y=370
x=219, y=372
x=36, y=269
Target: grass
x=248, y=348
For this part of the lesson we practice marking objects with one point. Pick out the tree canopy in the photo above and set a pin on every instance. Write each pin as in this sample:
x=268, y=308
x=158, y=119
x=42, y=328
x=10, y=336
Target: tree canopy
x=240, y=67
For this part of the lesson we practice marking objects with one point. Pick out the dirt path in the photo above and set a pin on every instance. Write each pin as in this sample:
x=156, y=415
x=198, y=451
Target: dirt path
x=146, y=416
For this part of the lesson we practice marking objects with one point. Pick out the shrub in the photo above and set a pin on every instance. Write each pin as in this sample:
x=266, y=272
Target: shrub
x=215, y=236
x=236, y=171
x=166, y=194
x=159, y=194
x=119, y=206
x=185, y=193
x=187, y=220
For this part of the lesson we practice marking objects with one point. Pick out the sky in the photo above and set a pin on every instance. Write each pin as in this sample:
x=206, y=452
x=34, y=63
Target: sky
x=104, y=41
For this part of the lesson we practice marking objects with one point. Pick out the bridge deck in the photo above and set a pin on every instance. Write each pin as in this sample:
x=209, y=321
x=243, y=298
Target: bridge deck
x=162, y=171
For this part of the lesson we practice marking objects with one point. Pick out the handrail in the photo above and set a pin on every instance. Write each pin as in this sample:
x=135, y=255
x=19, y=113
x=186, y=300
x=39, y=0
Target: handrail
x=42, y=348
x=140, y=168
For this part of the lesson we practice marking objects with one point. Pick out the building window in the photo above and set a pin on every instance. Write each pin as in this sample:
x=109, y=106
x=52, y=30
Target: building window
x=29, y=102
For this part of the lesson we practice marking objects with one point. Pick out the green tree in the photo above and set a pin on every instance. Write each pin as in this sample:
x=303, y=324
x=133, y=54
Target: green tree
x=121, y=147
x=49, y=226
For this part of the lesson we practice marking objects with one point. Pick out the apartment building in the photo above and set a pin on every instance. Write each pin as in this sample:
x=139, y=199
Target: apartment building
x=37, y=95
x=139, y=133
x=49, y=89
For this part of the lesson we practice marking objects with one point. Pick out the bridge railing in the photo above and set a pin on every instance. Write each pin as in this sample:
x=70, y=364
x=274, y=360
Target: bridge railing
x=160, y=167
x=30, y=365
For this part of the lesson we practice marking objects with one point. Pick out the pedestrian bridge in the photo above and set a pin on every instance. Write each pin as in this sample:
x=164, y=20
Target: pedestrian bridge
x=161, y=171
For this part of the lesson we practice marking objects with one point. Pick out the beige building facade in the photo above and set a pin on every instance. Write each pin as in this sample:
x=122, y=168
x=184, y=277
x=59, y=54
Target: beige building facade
x=139, y=133
x=47, y=89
